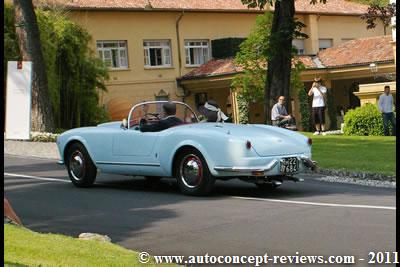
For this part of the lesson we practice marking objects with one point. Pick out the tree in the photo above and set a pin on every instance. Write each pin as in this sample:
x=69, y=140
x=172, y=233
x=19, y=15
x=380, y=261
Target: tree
x=27, y=31
x=378, y=12
x=252, y=57
x=370, y=2
x=75, y=74
x=284, y=28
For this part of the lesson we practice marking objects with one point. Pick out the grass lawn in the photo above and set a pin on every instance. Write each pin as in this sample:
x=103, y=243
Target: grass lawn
x=374, y=154
x=23, y=247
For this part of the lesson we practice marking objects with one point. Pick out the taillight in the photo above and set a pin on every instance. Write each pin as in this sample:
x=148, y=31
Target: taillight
x=248, y=144
x=309, y=141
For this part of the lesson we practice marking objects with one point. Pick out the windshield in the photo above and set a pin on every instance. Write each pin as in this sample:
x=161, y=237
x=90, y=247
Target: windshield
x=152, y=111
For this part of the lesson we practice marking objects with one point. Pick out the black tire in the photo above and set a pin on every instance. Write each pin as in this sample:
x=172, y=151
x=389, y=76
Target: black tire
x=81, y=169
x=199, y=183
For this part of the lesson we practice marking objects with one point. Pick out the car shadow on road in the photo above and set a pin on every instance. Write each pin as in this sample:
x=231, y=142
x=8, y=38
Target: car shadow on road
x=235, y=187
x=121, y=206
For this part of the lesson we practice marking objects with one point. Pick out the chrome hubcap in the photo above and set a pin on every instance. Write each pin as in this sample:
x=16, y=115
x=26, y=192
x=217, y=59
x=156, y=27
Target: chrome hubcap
x=191, y=171
x=77, y=165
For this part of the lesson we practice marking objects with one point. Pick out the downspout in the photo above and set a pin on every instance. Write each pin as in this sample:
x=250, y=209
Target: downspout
x=179, y=52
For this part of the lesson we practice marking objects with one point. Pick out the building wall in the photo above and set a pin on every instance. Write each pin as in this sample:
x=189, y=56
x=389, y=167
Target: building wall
x=138, y=83
x=369, y=93
x=340, y=27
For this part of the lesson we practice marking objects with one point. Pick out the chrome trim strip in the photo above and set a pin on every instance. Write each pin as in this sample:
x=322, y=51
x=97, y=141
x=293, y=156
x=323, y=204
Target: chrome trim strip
x=269, y=167
x=128, y=163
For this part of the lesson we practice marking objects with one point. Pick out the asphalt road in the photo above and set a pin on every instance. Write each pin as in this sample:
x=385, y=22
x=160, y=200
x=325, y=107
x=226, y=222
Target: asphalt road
x=312, y=218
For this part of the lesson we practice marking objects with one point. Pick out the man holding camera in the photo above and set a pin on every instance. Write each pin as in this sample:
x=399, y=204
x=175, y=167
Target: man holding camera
x=318, y=105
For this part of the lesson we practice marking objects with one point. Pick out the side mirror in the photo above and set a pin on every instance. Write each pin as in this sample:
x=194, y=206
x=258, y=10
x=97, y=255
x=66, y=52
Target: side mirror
x=124, y=124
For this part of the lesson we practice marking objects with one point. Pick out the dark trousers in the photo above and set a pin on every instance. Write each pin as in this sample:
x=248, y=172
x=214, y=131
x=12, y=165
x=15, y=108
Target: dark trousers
x=319, y=115
x=283, y=122
x=389, y=118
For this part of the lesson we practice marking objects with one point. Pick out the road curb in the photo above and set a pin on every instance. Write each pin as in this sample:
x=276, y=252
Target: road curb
x=357, y=175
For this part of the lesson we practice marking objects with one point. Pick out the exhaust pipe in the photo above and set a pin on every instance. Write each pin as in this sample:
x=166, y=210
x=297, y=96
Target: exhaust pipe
x=276, y=183
x=295, y=179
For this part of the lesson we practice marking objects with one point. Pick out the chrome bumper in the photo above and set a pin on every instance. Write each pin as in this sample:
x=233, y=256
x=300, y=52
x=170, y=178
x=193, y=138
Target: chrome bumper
x=305, y=160
x=269, y=167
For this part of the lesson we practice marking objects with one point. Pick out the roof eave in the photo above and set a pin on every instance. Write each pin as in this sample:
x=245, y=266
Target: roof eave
x=359, y=64
x=364, y=64
x=208, y=76
x=123, y=9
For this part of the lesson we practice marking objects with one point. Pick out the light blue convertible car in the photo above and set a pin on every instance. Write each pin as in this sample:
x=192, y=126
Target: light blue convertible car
x=195, y=153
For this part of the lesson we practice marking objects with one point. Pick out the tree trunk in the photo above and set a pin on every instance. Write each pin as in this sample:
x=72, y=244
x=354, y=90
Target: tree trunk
x=279, y=64
x=27, y=31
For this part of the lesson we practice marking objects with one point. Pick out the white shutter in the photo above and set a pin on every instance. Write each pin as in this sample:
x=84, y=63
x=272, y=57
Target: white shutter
x=167, y=56
x=146, y=57
x=123, y=58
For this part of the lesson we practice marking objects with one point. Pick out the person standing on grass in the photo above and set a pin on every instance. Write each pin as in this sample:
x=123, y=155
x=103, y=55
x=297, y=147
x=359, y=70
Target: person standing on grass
x=318, y=105
x=385, y=105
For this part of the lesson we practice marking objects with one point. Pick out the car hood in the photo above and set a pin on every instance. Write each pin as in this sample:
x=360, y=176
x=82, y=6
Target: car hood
x=266, y=140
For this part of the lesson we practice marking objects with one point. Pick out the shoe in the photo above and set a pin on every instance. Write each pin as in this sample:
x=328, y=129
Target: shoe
x=323, y=133
x=317, y=133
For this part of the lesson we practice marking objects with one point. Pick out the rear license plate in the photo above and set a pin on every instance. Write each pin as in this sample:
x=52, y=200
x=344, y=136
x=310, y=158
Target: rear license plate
x=289, y=165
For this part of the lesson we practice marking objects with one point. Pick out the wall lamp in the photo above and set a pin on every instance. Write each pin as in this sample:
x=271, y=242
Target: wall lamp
x=373, y=67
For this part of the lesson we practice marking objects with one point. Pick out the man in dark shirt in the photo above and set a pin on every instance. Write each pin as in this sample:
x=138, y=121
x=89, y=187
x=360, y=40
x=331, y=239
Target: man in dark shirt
x=168, y=121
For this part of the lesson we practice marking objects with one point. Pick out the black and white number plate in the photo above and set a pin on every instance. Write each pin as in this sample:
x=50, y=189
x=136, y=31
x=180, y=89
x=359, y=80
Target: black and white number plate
x=289, y=165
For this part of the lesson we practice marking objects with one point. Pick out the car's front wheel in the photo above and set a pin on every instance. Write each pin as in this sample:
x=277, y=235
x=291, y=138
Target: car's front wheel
x=81, y=169
x=191, y=170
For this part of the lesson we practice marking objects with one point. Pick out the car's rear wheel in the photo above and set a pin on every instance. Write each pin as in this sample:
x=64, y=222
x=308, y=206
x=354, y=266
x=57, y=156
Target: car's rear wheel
x=81, y=169
x=191, y=170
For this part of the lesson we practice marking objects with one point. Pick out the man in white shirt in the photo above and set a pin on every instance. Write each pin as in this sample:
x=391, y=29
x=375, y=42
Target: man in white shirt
x=385, y=105
x=318, y=105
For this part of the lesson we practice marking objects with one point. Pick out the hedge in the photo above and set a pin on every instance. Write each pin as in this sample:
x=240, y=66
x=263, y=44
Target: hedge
x=364, y=120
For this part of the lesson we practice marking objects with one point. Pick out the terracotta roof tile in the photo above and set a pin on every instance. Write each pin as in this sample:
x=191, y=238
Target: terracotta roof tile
x=358, y=51
x=307, y=61
x=302, y=6
x=355, y=52
x=227, y=66
x=214, y=67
